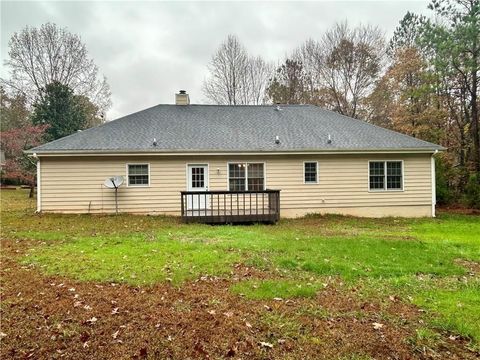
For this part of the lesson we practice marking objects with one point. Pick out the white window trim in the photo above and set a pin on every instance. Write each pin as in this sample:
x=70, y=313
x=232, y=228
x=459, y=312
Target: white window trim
x=137, y=186
x=246, y=172
x=317, y=171
x=385, y=177
x=207, y=175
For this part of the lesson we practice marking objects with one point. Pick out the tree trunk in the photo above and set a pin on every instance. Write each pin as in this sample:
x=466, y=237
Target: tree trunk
x=32, y=189
x=462, y=148
x=475, y=125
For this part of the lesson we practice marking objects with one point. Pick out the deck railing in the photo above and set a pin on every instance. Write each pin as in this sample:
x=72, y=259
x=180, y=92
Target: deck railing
x=215, y=207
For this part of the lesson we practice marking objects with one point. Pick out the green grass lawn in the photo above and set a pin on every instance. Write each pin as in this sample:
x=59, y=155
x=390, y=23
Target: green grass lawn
x=421, y=259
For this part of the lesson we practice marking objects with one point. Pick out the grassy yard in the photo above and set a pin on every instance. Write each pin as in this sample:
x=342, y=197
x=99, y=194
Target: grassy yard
x=427, y=264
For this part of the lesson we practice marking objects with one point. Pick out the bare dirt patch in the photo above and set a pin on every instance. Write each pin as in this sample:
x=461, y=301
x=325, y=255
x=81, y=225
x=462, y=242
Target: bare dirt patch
x=472, y=266
x=55, y=317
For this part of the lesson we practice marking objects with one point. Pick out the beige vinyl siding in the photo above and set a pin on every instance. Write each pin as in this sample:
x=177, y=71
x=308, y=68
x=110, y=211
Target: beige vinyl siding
x=75, y=184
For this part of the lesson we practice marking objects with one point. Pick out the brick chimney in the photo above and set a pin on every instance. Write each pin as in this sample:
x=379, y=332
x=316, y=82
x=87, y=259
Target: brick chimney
x=182, y=98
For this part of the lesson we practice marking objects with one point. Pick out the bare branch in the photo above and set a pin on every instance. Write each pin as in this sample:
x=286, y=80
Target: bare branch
x=40, y=56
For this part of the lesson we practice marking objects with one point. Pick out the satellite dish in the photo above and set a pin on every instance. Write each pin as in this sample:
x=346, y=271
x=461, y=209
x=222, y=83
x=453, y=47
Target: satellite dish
x=114, y=182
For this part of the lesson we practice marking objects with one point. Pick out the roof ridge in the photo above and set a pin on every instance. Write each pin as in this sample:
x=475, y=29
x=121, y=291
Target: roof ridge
x=239, y=105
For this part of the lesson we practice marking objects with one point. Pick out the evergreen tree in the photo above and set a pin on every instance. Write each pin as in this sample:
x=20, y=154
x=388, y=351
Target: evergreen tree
x=61, y=110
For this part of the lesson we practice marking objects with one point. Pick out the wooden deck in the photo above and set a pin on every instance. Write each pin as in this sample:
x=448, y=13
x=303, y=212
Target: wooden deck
x=229, y=207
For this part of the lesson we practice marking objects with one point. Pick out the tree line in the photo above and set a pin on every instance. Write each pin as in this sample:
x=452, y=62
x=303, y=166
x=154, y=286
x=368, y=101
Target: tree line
x=423, y=82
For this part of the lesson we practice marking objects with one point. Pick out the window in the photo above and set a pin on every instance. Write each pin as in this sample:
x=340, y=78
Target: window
x=198, y=177
x=138, y=175
x=255, y=176
x=377, y=175
x=237, y=176
x=394, y=175
x=246, y=176
x=385, y=175
x=310, y=172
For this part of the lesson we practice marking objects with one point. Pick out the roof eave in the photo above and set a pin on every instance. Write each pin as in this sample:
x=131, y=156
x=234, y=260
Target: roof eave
x=193, y=152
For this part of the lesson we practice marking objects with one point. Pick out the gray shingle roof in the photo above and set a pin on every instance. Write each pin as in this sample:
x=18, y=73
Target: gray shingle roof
x=234, y=128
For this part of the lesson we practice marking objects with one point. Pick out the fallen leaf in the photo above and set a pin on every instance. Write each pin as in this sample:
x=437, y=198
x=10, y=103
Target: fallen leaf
x=115, y=334
x=71, y=289
x=228, y=314
x=211, y=312
x=277, y=299
x=281, y=341
x=115, y=311
x=247, y=324
x=2, y=334
x=266, y=344
x=377, y=326
x=92, y=320
x=87, y=307
x=85, y=344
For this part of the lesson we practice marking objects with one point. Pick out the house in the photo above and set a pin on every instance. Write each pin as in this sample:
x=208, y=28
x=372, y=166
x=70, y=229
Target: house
x=202, y=160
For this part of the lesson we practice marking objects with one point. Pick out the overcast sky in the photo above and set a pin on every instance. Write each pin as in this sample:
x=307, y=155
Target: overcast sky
x=150, y=50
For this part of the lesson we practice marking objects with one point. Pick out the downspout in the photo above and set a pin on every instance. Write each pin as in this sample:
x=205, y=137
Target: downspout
x=39, y=191
x=434, y=191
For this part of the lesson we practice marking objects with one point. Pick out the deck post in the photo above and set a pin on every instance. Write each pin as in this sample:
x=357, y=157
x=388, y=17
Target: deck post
x=182, y=206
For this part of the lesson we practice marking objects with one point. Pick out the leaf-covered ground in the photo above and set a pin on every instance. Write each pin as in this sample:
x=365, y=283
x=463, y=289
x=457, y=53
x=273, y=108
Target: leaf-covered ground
x=319, y=287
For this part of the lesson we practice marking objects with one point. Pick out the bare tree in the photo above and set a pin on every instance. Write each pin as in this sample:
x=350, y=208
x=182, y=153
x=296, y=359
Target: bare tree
x=258, y=74
x=341, y=69
x=235, y=78
x=41, y=56
x=344, y=66
x=309, y=55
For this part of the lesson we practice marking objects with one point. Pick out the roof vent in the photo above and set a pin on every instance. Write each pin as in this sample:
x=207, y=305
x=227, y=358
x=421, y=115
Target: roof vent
x=329, y=139
x=277, y=140
x=182, y=98
x=278, y=108
x=154, y=142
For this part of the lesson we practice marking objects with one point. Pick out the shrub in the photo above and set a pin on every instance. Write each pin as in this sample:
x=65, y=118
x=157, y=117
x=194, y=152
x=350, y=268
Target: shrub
x=472, y=192
x=443, y=172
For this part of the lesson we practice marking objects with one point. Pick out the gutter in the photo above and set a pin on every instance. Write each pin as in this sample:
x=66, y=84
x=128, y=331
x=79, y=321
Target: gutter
x=39, y=187
x=433, y=183
x=224, y=153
